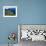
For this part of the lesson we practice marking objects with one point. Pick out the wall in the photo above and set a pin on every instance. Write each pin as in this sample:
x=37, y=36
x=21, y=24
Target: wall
x=29, y=12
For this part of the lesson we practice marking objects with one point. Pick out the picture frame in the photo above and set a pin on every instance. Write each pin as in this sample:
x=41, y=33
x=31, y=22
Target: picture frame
x=9, y=11
x=36, y=32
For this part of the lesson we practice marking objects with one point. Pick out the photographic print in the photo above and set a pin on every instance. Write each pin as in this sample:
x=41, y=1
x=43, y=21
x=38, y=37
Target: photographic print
x=28, y=33
x=32, y=32
x=9, y=11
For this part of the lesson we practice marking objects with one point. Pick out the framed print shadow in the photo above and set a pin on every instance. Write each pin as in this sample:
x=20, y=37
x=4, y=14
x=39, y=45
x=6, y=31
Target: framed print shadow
x=9, y=11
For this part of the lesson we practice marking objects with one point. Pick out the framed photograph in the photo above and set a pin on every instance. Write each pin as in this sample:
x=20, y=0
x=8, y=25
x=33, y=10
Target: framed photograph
x=33, y=32
x=9, y=11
